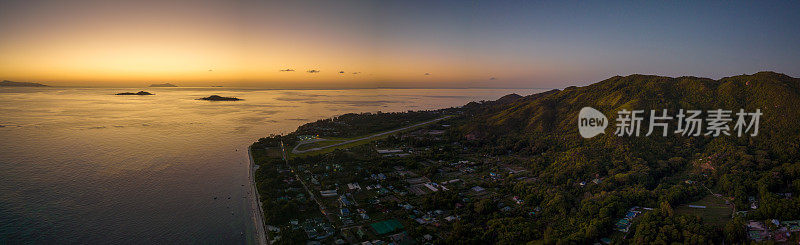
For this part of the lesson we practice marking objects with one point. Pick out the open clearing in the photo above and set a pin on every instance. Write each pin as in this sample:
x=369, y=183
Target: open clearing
x=356, y=141
x=716, y=211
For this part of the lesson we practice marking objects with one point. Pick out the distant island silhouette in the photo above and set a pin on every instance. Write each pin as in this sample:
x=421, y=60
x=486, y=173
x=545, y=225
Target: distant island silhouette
x=163, y=85
x=137, y=93
x=219, y=98
x=7, y=83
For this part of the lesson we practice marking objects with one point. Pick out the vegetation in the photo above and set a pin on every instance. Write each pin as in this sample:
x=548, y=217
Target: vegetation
x=575, y=190
x=219, y=98
x=649, y=171
x=137, y=93
x=353, y=124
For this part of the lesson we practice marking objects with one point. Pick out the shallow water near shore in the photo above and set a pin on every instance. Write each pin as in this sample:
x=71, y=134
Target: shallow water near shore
x=82, y=165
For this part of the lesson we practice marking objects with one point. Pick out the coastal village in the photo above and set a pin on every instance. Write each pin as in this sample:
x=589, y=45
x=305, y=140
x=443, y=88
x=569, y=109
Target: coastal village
x=414, y=186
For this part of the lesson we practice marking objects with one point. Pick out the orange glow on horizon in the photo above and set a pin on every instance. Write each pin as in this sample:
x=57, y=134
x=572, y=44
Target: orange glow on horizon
x=135, y=44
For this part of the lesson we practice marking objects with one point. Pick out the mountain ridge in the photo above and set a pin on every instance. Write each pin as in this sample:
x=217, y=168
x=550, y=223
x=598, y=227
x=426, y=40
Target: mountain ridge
x=7, y=83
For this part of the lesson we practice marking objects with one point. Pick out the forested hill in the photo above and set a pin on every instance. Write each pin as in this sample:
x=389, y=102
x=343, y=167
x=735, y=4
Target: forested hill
x=555, y=113
x=542, y=131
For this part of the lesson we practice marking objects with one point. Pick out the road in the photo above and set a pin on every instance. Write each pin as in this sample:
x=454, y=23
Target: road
x=295, y=151
x=322, y=208
x=307, y=142
x=255, y=204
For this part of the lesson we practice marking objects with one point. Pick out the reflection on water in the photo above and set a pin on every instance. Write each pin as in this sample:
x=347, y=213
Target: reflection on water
x=84, y=165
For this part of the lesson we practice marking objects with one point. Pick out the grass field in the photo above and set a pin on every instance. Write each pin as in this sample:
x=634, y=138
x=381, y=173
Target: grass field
x=716, y=211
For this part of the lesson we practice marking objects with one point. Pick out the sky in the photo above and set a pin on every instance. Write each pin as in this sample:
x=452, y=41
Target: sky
x=355, y=44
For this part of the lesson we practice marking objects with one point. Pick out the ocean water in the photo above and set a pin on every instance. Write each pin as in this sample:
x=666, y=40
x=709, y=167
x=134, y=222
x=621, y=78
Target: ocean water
x=82, y=165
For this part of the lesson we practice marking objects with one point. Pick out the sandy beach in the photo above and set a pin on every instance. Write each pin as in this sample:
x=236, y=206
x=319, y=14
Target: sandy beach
x=255, y=204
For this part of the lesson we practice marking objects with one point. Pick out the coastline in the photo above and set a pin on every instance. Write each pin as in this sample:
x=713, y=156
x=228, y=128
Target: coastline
x=255, y=203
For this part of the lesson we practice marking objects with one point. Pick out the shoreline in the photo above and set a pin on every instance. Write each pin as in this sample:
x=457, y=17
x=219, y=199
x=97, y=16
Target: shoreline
x=255, y=203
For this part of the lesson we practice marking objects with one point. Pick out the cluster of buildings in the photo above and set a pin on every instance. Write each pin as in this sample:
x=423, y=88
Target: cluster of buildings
x=775, y=230
x=372, y=204
x=624, y=224
x=315, y=229
x=307, y=137
x=393, y=153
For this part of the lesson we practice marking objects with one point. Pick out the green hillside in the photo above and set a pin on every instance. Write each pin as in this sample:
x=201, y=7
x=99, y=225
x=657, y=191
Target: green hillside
x=541, y=131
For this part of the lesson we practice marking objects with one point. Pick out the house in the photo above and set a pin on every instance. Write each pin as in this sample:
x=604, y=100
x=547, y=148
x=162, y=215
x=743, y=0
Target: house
x=792, y=225
x=451, y=181
x=756, y=230
x=344, y=202
x=418, y=180
x=401, y=238
x=431, y=186
x=328, y=193
x=753, y=202
x=517, y=200
x=354, y=186
x=622, y=225
x=782, y=235
x=379, y=176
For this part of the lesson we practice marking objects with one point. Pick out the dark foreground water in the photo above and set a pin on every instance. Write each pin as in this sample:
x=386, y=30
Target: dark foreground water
x=81, y=165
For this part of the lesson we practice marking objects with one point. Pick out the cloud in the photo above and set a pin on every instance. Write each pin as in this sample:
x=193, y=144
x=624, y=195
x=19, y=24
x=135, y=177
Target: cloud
x=313, y=71
x=427, y=74
x=341, y=72
x=290, y=69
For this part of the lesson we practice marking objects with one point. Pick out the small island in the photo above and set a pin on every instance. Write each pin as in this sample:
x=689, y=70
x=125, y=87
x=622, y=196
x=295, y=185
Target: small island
x=163, y=85
x=137, y=93
x=219, y=98
x=7, y=83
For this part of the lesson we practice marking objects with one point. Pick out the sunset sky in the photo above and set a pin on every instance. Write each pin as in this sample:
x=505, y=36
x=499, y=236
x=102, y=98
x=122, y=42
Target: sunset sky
x=520, y=44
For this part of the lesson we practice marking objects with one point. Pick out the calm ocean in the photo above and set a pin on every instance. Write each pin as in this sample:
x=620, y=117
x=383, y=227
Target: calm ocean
x=81, y=165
